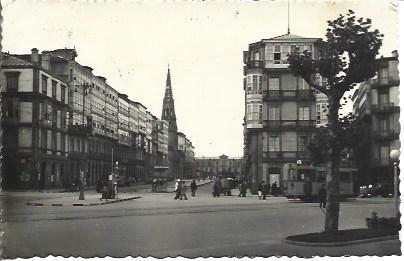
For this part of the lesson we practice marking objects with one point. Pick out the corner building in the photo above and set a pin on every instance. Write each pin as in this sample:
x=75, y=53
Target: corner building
x=376, y=104
x=280, y=109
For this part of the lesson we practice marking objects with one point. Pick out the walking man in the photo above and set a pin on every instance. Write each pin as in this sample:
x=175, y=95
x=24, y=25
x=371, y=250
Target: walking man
x=322, y=194
x=177, y=189
x=183, y=190
x=266, y=188
x=193, y=187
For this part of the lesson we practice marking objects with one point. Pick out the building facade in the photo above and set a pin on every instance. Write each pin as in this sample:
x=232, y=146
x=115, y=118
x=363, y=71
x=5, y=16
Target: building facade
x=206, y=167
x=34, y=120
x=376, y=104
x=280, y=108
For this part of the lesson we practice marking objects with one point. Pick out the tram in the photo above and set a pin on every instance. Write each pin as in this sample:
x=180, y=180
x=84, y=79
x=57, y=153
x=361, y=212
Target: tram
x=304, y=181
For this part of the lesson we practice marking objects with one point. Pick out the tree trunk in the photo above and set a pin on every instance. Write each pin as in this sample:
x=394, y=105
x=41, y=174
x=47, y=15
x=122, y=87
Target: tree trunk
x=333, y=177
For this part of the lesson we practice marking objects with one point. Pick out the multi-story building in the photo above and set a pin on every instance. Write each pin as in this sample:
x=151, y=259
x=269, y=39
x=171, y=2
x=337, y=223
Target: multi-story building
x=321, y=110
x=161, y=168
x=189, y=163
x=219, y=166
x=376, y=104
x=280, y=108
x=35, y=106
x=62, y=123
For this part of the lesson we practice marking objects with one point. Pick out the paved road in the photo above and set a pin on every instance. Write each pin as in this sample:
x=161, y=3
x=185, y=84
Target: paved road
x=160, y=226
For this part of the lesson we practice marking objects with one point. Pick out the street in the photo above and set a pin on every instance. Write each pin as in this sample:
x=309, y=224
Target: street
x=157, y=225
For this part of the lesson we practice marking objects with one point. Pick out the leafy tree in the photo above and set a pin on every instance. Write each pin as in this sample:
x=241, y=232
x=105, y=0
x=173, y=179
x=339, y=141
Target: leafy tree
x=350, y=49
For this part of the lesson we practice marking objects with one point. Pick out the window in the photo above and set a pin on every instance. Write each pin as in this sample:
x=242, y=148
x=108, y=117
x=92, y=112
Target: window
x=304, y=113
x=256, y=56
x=303, y=85
x=11, y=109
x=384, y=155
x=54, y=84
x=273, y=113
x=63, y=93
x=384, y=125
x=383, y=98
x=254, y=84
x=273, y=84
x=273, y=143
x=277, y=54
x=44, y=84
x=303, y=142
x=12, y=80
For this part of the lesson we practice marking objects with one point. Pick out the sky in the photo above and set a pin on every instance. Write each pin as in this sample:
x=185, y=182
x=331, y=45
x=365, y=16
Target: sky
x=131, y=43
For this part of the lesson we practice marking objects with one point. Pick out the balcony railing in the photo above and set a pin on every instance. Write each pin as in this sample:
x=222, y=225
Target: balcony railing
x=384, y=81
x=255, y=64
x=82, y=129
x=387, y=135
x=385, y=107
x=285, y=155
x=289, y=124
x=289, y=94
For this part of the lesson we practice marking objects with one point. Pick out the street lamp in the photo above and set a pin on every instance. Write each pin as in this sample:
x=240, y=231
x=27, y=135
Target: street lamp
x=394, y=155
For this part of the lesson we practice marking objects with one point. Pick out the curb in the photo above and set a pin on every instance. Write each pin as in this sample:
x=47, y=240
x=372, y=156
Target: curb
x=337, y=244
x=81, y=204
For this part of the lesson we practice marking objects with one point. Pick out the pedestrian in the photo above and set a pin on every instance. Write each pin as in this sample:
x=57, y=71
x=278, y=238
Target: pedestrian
x=177, y=189
x=322, y=194
x=274, y=189
x=243, y=189
x=266, y=189
x=216, y=188
x=193, y=187
x=183, y=190
x=154, y=185
x=260, y=189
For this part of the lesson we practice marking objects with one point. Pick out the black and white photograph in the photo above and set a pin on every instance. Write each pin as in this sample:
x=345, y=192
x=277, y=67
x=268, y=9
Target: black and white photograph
x=186, y=129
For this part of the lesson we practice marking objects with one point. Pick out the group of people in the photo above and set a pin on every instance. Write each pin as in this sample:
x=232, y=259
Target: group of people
x=181, y=188
x=264, y=189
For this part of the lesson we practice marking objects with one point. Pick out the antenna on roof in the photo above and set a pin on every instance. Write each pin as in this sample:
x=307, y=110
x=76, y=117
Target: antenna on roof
x=288, y=19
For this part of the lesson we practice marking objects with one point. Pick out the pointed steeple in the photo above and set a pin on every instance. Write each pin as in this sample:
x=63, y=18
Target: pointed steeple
x=168, y=112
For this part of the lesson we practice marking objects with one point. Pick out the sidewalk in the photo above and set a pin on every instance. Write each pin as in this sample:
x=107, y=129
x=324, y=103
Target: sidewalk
x=72, y=199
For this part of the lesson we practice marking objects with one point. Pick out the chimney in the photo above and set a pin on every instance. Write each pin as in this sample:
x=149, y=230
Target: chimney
x=34, y=55
x=45, y=61
x=394, y=53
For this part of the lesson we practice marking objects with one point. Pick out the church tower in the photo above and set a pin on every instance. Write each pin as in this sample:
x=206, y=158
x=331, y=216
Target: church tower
x=168, y=114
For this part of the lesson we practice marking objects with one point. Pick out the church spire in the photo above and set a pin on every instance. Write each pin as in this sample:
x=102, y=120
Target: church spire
x=168, y=81
x=168, y=112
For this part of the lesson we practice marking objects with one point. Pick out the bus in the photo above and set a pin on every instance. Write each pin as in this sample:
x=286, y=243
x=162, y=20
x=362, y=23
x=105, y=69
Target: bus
x=304, y=181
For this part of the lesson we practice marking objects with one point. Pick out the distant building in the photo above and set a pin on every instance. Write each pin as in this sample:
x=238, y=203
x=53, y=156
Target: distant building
x=219, y=166
x=376, y=103
x=280, y=108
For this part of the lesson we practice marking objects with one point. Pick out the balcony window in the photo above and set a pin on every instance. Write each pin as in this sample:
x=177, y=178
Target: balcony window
x=54, y=84
x=303, y=142
x=12, y=80
x=254, y=84
x=63, y=93
x=44, y=84
x=277, y=54
x=273, y=143
x=304, y=113
x=384, y=155
x=383, y=98
x=273, y=84
x=11, y=109
x=256, y=56
x=273, y=113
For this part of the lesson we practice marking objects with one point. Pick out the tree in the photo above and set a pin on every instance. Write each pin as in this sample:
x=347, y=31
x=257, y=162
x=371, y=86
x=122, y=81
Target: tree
x=349, y=58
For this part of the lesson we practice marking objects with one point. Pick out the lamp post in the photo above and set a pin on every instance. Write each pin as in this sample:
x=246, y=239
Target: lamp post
x=394, y=155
